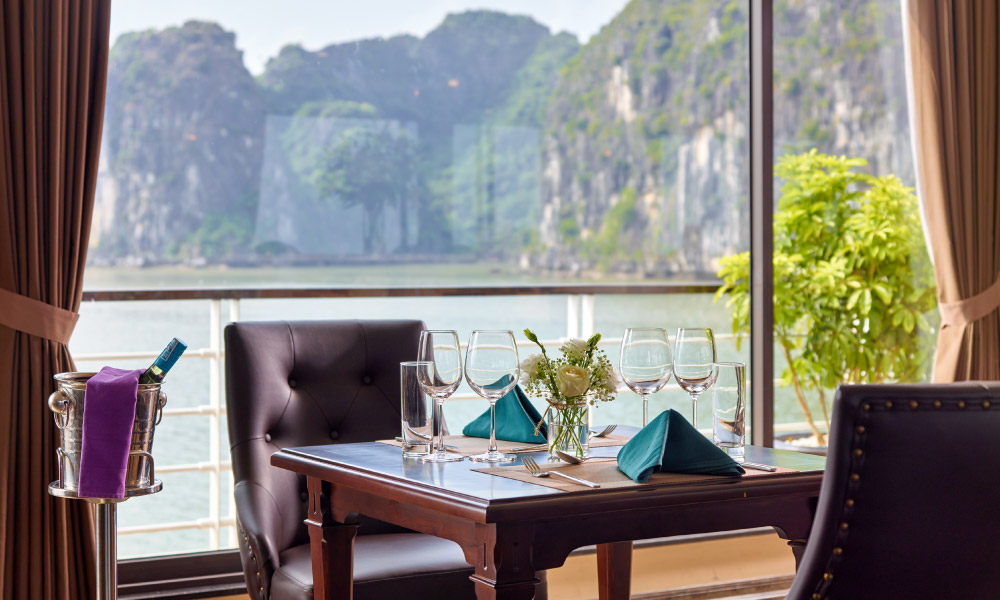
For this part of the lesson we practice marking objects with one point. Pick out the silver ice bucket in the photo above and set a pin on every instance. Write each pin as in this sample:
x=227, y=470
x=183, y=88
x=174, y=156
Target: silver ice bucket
x=66, y=404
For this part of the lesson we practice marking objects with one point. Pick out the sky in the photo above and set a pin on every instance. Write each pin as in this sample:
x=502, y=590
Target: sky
x=262, y=27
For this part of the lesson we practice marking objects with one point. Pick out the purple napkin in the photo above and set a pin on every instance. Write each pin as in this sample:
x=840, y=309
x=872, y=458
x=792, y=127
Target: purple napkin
x=108, y=413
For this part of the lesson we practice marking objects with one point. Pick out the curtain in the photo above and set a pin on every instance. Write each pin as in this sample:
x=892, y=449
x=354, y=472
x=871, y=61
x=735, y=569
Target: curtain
x=53, y=70
x=954, y=54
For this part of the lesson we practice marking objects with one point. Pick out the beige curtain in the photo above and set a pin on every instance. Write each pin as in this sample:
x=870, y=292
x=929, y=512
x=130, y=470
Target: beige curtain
x=53, y=70
x=954, y=49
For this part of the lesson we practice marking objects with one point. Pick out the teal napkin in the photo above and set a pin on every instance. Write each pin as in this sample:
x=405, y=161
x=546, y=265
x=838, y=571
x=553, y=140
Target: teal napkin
x=516, y=418
x=669, y=443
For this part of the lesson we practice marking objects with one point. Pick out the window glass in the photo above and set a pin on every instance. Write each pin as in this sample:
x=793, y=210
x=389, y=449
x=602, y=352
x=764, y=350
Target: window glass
x=451, y=143
x=853, y=286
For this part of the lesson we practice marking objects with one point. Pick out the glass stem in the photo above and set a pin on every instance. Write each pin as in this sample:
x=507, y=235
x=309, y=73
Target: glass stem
x=645, y=408
x=694, y=410
x=439, y=424
x=493, y=427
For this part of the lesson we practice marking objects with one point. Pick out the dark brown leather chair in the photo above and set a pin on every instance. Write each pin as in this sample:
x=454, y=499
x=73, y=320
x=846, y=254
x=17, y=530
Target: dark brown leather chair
x=910, y=502
x=308, y=383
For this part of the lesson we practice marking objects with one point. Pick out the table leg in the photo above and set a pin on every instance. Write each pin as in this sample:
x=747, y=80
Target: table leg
x=504, y=568
x=331, y=546
x=614, y=570
x=798, y=549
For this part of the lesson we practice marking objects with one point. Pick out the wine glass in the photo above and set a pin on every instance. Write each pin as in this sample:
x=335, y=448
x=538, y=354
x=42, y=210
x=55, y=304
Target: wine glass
x=645, y=363
x=694, y=364
x=439, y=373
x=492, y=370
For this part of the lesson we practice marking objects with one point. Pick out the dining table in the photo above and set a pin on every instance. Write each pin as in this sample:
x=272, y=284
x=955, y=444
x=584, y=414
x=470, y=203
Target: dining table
x=511, y=529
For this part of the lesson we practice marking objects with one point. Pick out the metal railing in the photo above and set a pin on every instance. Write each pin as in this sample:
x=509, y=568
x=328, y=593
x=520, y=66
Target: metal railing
x=580, y=305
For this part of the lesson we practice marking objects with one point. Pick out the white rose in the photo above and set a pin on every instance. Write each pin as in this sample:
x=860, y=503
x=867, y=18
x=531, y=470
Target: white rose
x=572, y=381
x=574, y=348
x=529, y=367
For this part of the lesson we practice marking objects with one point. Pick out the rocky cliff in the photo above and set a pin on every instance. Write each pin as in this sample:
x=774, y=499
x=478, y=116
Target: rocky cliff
x=490, y=137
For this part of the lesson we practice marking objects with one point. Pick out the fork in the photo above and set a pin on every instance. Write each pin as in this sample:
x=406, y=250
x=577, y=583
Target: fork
x=536, y=471
x=604, y=432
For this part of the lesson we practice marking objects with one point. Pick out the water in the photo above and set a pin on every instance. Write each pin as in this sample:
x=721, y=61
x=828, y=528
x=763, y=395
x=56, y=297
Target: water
x=146, y=326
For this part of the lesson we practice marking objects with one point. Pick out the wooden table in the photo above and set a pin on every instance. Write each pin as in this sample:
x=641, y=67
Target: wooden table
x=509, y=529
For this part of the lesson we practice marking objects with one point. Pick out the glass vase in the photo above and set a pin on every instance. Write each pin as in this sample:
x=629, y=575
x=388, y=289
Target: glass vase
x=569, y=431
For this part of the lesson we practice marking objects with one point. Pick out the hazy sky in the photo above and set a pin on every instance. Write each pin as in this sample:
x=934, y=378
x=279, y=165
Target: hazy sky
x=263, y=26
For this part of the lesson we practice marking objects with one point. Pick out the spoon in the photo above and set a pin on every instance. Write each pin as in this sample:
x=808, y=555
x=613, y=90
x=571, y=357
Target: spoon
x=569, y=458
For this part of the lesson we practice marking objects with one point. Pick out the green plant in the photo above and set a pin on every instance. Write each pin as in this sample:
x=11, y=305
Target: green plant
x=852, y=280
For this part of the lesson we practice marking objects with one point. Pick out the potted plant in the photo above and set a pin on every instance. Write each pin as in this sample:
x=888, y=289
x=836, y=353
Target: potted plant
x=852, y=280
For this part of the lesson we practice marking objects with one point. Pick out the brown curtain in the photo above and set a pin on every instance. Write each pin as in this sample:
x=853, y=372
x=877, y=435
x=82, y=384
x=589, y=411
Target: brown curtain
x=954, y=49
x=53, y=70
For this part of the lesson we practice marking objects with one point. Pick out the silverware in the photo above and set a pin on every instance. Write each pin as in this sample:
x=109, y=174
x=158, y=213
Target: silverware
x=569, y=458
x=759, y=467
x=536, y=471
x=604, y=432
x=541, y=446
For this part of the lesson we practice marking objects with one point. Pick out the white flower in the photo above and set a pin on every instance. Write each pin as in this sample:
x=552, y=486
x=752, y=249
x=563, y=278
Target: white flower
x=572, y=381
x=574, y=348
x=529, y=367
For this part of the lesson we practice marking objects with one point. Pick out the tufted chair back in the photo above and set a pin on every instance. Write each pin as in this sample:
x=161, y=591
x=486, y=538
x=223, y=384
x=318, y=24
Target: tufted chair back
x=910, y=503
x=301, y=384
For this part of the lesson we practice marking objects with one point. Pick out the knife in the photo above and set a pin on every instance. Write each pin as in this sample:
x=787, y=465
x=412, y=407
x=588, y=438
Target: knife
x=760, y=467
x=575, y=479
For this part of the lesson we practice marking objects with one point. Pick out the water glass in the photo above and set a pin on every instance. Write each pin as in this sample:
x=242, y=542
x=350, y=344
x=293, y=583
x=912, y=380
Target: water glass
x=645, y=363
x=729, y=409
x=417, y=410
x=492, y=369
x=694, y=363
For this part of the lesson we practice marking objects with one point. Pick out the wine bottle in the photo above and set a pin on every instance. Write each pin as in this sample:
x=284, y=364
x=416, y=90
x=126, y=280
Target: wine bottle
x=158, y=370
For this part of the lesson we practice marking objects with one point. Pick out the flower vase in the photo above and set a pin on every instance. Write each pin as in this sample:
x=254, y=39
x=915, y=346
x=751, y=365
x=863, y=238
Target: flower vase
x=568, y=430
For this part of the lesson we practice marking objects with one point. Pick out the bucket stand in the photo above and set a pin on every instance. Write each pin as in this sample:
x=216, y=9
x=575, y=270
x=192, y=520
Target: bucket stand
x=107, y=538
x=67, y=404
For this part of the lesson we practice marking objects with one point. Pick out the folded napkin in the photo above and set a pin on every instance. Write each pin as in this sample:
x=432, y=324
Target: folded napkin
x=108, y=413
x=670, y=443
x=515, y=415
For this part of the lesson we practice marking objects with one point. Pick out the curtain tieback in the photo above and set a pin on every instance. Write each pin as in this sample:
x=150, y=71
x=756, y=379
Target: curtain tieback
x=36, y=318
x=963, y=312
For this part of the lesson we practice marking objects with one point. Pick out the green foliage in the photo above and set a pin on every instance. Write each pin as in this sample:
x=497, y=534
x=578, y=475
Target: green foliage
x=852, y=280
x=372, y=169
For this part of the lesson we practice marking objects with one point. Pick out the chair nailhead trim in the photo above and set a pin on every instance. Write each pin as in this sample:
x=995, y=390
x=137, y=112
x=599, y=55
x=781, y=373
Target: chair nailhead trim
x=913, y=405
x=937, y=404
x=986, y=403
x=961, y=403
x=838, y=550
x=888, y=404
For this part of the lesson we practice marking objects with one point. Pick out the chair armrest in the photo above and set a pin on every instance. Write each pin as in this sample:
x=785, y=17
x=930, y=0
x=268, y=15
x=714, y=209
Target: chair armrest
x=257, y=515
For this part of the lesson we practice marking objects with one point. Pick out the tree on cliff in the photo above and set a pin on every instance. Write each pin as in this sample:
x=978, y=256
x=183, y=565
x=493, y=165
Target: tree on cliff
x=371, y=168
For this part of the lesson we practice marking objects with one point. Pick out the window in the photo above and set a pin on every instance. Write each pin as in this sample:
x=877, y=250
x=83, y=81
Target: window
x=524, y=143
x=519, y=144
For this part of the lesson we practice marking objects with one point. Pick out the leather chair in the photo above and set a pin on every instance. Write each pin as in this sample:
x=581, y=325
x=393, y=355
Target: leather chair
x=910, y=502
x=309, y=383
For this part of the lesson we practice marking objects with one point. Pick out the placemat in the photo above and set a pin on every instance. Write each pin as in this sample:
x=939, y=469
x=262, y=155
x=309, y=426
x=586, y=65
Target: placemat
x=472, y=445
x=606, y=473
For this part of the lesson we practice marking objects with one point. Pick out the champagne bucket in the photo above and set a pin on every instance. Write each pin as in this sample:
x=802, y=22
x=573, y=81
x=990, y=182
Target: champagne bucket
x=66, y=404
